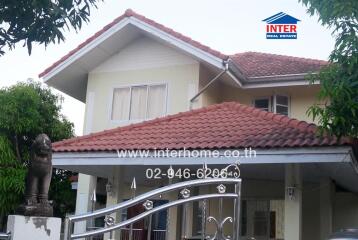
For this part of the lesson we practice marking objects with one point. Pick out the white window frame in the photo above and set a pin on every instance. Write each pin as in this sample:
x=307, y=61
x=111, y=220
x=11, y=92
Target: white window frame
x=128, y=120
x=274, y=97
x=272, y=102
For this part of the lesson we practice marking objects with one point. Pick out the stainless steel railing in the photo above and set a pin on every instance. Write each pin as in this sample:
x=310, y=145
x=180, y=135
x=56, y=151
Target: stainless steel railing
x=150, y=209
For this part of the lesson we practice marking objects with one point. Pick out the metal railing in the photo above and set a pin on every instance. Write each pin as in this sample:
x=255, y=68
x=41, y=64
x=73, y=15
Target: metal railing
x=158, y=234
x=185, y=197
x=5, y=236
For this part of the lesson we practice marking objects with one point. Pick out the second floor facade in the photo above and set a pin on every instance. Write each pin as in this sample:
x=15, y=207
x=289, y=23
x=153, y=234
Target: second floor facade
x=134, y=75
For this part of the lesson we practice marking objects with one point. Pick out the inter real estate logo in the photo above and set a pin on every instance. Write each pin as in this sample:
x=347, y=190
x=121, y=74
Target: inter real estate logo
x=281, y=26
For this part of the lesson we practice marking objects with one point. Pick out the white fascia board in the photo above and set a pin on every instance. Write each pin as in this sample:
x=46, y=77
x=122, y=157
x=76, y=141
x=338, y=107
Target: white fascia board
x=205, y=56
x=270, y=82
x=354, y=162
x=85, y=49
x=187, y=47
x=278, y=84
x=280, y=156
x=234, y=78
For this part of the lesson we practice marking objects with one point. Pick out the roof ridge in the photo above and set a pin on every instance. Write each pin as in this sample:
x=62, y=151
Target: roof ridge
x=130, y=13
x=279, y=55
x=127, y=14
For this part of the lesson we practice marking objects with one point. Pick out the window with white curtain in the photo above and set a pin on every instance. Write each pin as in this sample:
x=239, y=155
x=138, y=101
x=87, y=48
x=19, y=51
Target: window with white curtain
x=139, y=102
x=276, y=103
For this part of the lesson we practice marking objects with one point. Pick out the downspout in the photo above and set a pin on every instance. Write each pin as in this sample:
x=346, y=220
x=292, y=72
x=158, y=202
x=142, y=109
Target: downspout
x=226, y=64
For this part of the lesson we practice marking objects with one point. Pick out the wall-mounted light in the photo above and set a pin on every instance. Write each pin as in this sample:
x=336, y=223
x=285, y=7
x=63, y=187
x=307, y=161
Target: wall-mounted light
x=74, y=185
x=109, y=188
x=291, y=192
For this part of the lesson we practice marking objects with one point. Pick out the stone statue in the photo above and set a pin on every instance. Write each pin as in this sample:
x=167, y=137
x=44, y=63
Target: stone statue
x=38, y=179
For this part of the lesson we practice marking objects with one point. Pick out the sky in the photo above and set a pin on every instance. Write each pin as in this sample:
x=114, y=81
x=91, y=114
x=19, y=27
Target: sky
x=229, y=26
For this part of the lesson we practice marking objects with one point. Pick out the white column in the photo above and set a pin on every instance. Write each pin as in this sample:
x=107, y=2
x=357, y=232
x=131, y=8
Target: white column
x=293, y=206
x=115, y=197
x=86, y=183
x=326, y=209
x=86, y=186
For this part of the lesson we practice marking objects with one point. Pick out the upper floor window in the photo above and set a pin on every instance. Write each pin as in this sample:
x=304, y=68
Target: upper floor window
x=263, y=104
x=276, y=103
x=139, y=102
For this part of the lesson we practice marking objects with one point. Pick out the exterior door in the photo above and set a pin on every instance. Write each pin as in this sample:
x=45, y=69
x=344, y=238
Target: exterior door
x=159, y=222
x=140, y=228
x=139, y=232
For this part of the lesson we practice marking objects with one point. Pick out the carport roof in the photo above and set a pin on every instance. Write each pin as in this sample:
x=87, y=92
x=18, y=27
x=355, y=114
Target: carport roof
x=220, y=126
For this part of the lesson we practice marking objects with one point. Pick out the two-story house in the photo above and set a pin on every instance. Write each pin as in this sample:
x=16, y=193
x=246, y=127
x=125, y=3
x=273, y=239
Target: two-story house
x=147, y=87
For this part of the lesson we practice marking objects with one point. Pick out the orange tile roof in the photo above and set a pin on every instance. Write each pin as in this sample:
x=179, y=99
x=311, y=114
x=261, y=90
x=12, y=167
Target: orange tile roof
x=255, y=64
x=220, y=126
x=131, y=13
x=252, y=64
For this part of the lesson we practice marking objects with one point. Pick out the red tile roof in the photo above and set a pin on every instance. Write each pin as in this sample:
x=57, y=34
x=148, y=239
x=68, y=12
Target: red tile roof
x=252, y=64
x=225, y=125
x=131, y=13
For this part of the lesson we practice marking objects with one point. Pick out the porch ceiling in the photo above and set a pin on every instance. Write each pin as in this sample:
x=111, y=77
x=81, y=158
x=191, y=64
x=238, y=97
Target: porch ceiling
x=340, y=168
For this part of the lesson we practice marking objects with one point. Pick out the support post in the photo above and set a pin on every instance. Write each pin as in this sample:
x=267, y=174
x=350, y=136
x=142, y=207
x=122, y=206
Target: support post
x=67, y=229
x=115, y=197
x=293, y=202
x=86, y=185
x=326, y=209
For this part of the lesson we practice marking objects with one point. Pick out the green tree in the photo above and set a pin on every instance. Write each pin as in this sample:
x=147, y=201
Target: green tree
x=61, y=193
x=337, y=107
x=28, y=109
x=40, y=21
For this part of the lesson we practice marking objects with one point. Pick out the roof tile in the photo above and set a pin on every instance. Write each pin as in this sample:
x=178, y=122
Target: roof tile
x=252, y=64
x=226, y=125
x=256, y=64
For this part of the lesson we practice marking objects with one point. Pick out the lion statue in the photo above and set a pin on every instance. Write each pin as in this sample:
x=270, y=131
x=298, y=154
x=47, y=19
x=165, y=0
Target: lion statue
x=38, y=179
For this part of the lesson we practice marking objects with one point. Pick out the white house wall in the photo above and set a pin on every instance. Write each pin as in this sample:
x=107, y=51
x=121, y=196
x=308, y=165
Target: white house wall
x=142, y=62
x=143, y=53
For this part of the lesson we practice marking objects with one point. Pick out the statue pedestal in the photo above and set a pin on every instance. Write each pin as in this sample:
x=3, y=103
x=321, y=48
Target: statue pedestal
x=39, y=209
x=39, y=228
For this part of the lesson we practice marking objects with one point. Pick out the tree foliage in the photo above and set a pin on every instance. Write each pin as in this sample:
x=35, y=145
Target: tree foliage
x=40, y=21
x=337, y=110
x=61, y=193
x=27, y=109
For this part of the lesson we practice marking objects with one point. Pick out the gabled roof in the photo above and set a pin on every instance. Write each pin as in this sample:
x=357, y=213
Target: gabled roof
x=130, y=13
x=69, y=74
x=226, y=125
x=281, y=18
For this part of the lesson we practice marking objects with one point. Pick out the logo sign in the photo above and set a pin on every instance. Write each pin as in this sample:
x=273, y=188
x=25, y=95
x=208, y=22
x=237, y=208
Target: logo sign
x=281, y=26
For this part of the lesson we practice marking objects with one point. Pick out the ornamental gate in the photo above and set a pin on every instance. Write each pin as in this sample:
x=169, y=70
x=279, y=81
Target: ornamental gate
x=132, y=228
